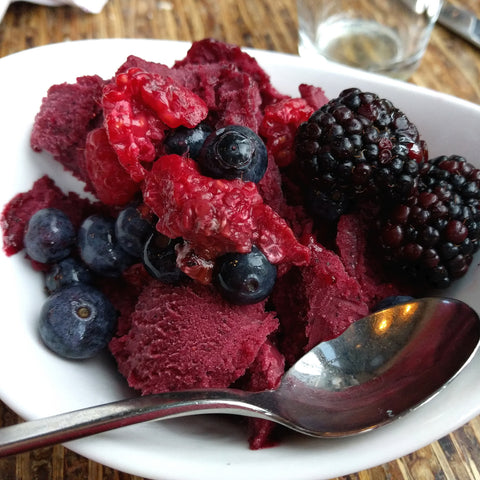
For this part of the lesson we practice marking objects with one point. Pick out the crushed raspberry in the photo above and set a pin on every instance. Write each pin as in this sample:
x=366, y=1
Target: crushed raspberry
x=217, y=216
x=196, y=267
x=138, y=107
x=279, y=125
x=276, y=239
x=112, y=184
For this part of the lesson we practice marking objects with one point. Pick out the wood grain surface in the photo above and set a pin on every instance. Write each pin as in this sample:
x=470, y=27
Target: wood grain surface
x=450, y=65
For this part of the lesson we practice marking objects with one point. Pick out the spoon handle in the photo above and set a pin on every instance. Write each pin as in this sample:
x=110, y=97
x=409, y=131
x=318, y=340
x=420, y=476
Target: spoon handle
x=64, y=427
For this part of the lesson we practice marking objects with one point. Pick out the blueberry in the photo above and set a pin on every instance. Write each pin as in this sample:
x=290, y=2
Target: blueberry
x=391, y=302
x=160, y=259
x=49, y=236
x=132, y=230
x=244, y=278
x=65, y=273
x=187, y=141
x=77, y=322
x=234, y=152
x=99, y=248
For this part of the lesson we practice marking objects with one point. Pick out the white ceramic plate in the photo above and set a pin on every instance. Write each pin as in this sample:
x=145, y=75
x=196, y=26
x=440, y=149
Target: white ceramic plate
x=36, y=383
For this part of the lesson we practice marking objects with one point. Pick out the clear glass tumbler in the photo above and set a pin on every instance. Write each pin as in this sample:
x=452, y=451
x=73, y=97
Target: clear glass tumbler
x=383, y=36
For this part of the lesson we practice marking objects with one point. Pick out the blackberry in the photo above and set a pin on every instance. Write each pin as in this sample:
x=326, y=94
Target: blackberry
x=357, y=146
x=434, y=234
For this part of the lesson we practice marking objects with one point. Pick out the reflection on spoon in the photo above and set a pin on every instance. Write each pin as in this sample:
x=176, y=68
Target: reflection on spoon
x=380, y=368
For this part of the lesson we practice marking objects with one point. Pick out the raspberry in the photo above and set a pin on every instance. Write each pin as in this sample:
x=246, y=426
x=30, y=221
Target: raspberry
x=175, y=104
x=279, y=125
x=434, y=234
x=357, y=146
x=112, y=184
x=216, y=216
x=138, y=106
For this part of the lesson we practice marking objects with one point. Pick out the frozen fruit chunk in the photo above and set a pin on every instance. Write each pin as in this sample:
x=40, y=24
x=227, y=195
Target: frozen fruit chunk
x=217, y=216
x=239, y=101
x=123, y=292
x=210, y=51
x=265, y=373
x=133, y=61
x=315, y=96
x=66, y=114
x=138, y=107
x=111, y=183
x=77, y=322
x=169, y=346
x=50, y=236
x=362, y=262
x=232, y=96
x=316, y=303
x=202, y=79
x=132, y=131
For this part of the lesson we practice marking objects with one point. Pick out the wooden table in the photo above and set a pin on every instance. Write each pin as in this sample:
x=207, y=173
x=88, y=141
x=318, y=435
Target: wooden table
x=450, y=65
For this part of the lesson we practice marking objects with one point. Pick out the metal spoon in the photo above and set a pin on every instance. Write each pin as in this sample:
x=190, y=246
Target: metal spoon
x=381, y=367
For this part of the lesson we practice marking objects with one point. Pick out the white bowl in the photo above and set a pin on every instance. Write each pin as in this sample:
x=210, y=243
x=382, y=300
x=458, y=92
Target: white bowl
x=36, y=383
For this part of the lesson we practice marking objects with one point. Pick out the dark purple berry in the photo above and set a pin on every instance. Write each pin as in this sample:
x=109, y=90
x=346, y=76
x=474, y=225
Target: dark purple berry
x=187, y=141
x=65, y=273
x=77, y=322
x=49, y=236
x=160, y=259
x=381, y=147
x=433, y=234
x=99, y=247
x=132, y=230
x=244, y=278
x=234, y=152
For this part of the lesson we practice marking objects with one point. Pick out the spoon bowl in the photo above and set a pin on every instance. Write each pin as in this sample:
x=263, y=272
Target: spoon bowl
x=379, y=369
